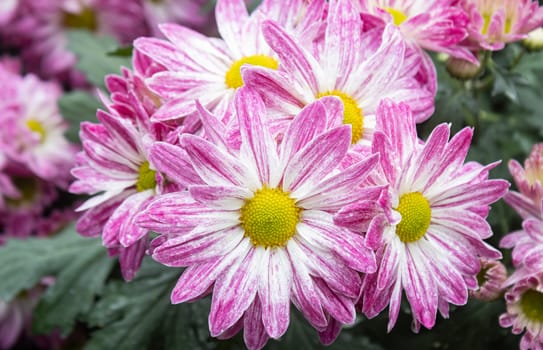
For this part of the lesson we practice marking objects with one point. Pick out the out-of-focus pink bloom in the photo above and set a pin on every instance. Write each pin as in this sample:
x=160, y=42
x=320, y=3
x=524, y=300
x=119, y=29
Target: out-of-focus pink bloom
x=527, y=244
x=434, y=25
x=8, y=9
x=429, y=235
x=525, y=310
x=490, y=279
x=44, y=24
x=32, y=129
x=494, y=23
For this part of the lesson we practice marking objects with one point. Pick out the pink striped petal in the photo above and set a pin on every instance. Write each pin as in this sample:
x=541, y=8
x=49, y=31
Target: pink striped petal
x=173, y=162
x=274, y=290
x=215, y=166
x=162, y=52
x=229, y=14
x=221, y=197
x=130, y=258
x=235, y=291
x=257, y=141
x=123, y=218
x=317, y=159
x=254, y=333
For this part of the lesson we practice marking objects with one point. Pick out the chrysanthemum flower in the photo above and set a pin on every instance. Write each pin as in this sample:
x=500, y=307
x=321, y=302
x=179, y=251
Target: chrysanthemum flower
x=494, y=23
x=429, y=236
x=32, y=129
x=490, y=279
x=208, y=69
x=360, y=69
x=258, y=230
x=47, y=53
x=525, y=311
x=116, y=169
x=529, y=181
x=434, y=25
x=527, y=244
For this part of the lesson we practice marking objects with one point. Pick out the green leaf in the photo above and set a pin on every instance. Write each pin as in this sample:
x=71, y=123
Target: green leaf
x=132, y=314
x=78, y=264
x=76, y=107
x=94, y=59
x=125, y=51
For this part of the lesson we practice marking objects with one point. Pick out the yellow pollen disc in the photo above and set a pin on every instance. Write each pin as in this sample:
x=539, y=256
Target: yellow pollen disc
x=416, y=216
x=37, y=127
x=531, y=303
x=397, y=16
x=270, y=217
x=233, y=77
x=352, y=114
x=86, y=19
x=146, y=178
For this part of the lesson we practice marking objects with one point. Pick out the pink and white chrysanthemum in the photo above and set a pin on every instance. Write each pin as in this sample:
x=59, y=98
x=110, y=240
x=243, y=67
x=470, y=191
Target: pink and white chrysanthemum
x=434, y=25
x=47, y=53
x=115, y=168
x=429, y=236
x=529, y=181
x=494, y=23
x=525, y=310
x=208, y=69
x=32, y=129
x=527, y=244
x=358, y=68
x=258, y=230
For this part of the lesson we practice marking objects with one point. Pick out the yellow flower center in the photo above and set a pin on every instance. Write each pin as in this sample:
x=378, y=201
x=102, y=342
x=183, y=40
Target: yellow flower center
x=352, y=113
x=531, y=303
x=146, y=178
x=233, y=77
x=270, y=217
x=86, y=19
x=486, y=23
x=398, y=16
x=416, y=216
x=36, y=127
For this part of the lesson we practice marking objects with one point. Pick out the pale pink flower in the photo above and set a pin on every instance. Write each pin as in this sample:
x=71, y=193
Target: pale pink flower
x=525, y=310
x=208, y=69
x=429, y=234
x=32, y=129
x=257, y=230
x=490, y=279
x=434, y=25
x=527, y=244
x=494, y=23
x=529, y=181
x=359, y=68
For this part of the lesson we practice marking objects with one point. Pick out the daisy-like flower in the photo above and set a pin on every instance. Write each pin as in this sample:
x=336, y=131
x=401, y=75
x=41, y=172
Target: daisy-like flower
x=527, y=244
x=525, y=311
x=429, y=237
x=490, y=279
x=494, y=23
x=434, y=25
x=529, y=181
x=47, y=53
x=32, y=129
x=360, y=69
x=258, y=230
x=208, y=69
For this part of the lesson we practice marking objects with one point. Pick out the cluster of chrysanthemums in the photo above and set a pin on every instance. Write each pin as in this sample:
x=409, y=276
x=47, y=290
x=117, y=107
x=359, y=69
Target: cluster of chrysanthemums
x=280, y=163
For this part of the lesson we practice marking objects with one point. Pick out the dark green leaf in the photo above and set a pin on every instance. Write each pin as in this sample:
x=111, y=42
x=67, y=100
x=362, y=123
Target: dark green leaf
x=93, y=59
x=125, y=51
x=130, y=314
